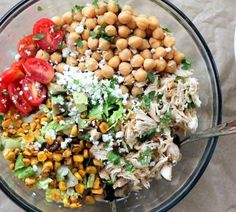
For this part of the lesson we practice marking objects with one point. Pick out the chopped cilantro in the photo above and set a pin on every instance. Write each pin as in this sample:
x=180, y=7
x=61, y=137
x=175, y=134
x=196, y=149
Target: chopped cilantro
x=182, y=79
x=113, y=82
x=39, y=9
x=4, y=92
x=191, y=105
x=95, y=4
x=61, y=44
x=79, y=43
x=101, y=34
x=151, y=77
x=1, y=147
x=159, y=97
x=117, y=4
x=186, y=64
x=109, y=182
x=56, y=27
x=166, y=30
x=77, y=8
x=129, y=167
x=113, y=158
x=167, y=119
x=148, y=135
x=147, y=99
x=145, y=157
x=39, y=36
x=93, y=34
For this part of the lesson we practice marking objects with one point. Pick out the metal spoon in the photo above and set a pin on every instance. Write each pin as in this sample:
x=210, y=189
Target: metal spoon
x=225, y=128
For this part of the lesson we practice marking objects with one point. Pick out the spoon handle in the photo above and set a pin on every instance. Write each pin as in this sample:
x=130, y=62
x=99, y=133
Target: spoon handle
x=225, y=128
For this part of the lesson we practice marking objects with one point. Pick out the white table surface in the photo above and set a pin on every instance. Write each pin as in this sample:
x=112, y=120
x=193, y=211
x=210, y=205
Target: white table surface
x=216, y=190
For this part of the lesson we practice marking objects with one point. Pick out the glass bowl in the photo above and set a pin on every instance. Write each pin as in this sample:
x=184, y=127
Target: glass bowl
x=162, y=195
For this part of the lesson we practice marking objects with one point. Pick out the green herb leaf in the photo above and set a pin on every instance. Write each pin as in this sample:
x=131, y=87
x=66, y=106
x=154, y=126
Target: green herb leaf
x=95, y=4
x=39, y=36
x=4, y=92
x=77, y=8
x=102, y=34
x=25, y=172
x=129, y=167
x=145, y=157
x=93, y=34
x=167, y=119
x=148, y=135
x=61, y=44
x=191, y=105
x=186, y=64
x=109, y=182
x=113, y=158
x=39, y=9
x=182, y=79
x=147, y=99
x=56, y=27
x=106, y=2
x=151, y=77
x=19, y=163
x=166, y=30
x=1, y=147
x=117, y=4
x=79, y=43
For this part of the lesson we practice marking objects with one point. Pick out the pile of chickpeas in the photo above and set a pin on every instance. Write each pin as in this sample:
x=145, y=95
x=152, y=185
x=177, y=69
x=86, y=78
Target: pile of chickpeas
x=140, y=44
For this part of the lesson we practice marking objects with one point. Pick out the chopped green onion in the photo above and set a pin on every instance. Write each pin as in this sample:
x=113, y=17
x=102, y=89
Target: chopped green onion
x=79, y=43
x=56, y=27
x=39, y=36
x=61, y=44
x=113, y=158
x=186, y=64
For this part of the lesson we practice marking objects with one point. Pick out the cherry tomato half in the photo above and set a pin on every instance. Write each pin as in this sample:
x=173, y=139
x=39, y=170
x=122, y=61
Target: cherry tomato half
x=4, y=98
x=39, y=70
x=50, y=36
x=16, y=96
x=34, y=92
x=15, y=72
x=27, y=47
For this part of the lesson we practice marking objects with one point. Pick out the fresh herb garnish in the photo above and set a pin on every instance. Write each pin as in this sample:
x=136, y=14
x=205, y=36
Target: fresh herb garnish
x=159, y=97
x=166, y=30
x=148, y=135
x=1, y=147
x=4, y=92
x=95, y=4
x=39, y=36
x=39, y=9
x=129, y=167
x=109, y=182
x=61, y=44
x=77, y=8
x=101, y=34
x=191, y=105
x=145, y=157
x=186, y=64
x=167, y=119
x=113, y=158
x=79, y=43
x=182, y=79
x=147, y=99
x=151, y=77
x=117, y=4
x=56, y=27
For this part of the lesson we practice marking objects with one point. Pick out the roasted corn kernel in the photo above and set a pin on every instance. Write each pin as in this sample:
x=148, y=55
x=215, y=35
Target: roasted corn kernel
x=103, y=127
x=79, y=188
x=41, y=156
x=97, y=191
x=78, y=176
x=91, y=170
x=97, y=162
x=74, y=131
x=78, y=158
x=62, y=186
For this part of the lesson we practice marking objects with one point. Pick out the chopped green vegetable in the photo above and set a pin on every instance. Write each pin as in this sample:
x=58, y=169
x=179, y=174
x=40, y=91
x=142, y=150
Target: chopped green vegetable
x=116, y=115
x=166, y=30
x=54, y=195
x=43, y=184
x=117, y=4
x=182, y=79
x=1, y=120
x=83, y=123
x=19, y=163
x=56, y=27
x=148, y=135
x=96, y=111
x=79, y=43
x=186, y=64
x=113, y=157
x=39, y=9
x=1, y=147
x=25, y=172
x=151, y=77
x=147, y=99
x=109, y=182
x=57, y=127
x=81, y=101
x=91, y=180
x=4, y=92
x=95, y=4
x=167, y=119
x=61, y=44
x=11, y=143
x=39, y=36
x=76, y=8
x=85, y=180
x=64, y=174
x=145, y=157
x=106, y=2
x=84, y=137
x=101, y=34
x=129, y=167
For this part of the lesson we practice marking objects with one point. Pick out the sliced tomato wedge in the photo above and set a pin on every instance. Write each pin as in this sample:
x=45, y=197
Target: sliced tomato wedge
x=39, y=70
x=50, y=35
x=4, y=98
x=15, y=72
x=16, y=96
x=27, y=47
x=34, y=92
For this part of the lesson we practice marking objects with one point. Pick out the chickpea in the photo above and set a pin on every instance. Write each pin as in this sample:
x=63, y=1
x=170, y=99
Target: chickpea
x=84, y=48
x=112, y=7
x=142, y=22
x=73, y=37
x=149, y=64
x=129, y=80
x=140, y=75
x=89, y=12
x=41, y=54
x=137, y=61
x=135, y=42
x=111, y=30
x=56, y=57
x=78, y=16
x=146, y=54
x=154, y=43
x=125, y=55
x=98, y=74
x=171, y=66
x=86, y=34
x=73, y=26
x=140, y=33
x=60, y=67
x=67, y=18
x=160, y=52
x=107, y=71
x=101, y=8
x=153, y=22
x=107, y=55
x=91, y=64
x=158, y=33
x=114, y=62
x=145, y=45
x=100, y=20
x=136, y=91
x=71, y=61
x=169, y=54
x=57, y=20
x=82, y=66
x=110, y=18
x=169, y=41
x=178, y=57
x=125, y=68
x=103, y=44
x=121, y=44
x=132, y=24
x=125, y=17
x=161, y=65
x=96, y=56
x=91, y=23
x=124, y=89
x=93, y=43
x=124, y=31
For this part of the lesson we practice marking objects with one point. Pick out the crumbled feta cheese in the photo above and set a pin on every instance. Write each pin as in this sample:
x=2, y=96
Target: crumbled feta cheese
x=65, y=52
x=35, y=168
x=37, y=145
x=65, y=143
x=51, y=133
x=168, y=49
x=107, y=137
x=79, y=29
x=120, y=134
x=17, y=57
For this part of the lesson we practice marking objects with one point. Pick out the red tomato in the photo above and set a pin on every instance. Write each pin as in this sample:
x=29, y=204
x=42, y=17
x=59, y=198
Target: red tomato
x=34, y=92
x=16, y=95
x=15, y=72
x=51, y=35
x=4, y=98
x=27, y=47
x=39, y=70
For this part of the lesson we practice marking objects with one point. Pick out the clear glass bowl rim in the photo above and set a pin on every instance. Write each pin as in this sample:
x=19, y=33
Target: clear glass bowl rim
x=209, y=150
